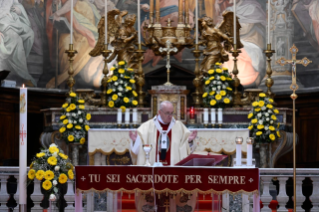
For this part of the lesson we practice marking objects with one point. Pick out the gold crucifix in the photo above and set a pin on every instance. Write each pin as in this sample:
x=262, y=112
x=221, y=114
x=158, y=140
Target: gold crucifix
x=304, y=61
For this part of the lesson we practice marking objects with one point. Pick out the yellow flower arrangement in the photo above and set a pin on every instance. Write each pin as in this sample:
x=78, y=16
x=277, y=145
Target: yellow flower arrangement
x=72, y=106
x=62, y=117
x=263, y=120
x=65, y=121
x=87, y=127
x=82, y=107
x=212, y=93
x=213, y=102
x=219, y=71
x=72, y=94
x=49, y=168
x=48, y=175
x=122, y=89
x=204, y=95
x=211, y=71
x=88, y=116
x=218, y=97
x=69, y=126
x=63, y=178
x=112, y=68
x=47, y=185
x=223, y=93
x=229, y=88
x=226, y=101
x=65, y=105
x=223, y=78
x=78, y=127
x=207, y=82
x=211, y=78
x=31, y=174
x=81, y=101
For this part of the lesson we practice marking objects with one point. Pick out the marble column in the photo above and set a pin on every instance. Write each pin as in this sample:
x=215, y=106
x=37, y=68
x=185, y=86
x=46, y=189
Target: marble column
x=265, y=197
x=282, y=197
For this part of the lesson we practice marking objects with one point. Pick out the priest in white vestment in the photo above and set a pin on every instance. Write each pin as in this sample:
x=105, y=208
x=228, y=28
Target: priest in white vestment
x=170, y=144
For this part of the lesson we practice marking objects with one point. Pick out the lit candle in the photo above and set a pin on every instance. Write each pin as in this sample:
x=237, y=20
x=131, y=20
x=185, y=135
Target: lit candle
x=139, y=20
x=250, y=142
x=196, y=22
x=269, y=8
x=105, y=22
x=23, y=146
x=239, y=141
x=235, y=32
x=71, y=33
x=191, y=113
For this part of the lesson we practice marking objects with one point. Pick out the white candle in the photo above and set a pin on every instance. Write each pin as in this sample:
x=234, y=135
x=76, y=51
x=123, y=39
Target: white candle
x=119, y=116
x=238, y=154
x=235, y=32
x=238, y=141
x=105, y=22
x=23, y=146
x=220, y=115
x=134, y=115
x=249, y=155
x=269, y=9
x=213, y=115
x=71, y=33
x=205, y=115
x=139, y=20
x=196, y=22
x=127, y=116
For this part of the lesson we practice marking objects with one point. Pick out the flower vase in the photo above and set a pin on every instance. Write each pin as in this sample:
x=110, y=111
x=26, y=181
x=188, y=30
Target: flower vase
x=75, y=153
x=264, y=155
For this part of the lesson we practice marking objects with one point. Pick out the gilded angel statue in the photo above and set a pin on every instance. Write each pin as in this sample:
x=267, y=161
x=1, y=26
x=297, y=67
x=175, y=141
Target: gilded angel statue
x=217, y=40
x=122, y=36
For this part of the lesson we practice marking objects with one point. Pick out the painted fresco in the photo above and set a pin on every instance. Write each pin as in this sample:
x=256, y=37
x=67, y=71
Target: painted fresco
x=34, y=35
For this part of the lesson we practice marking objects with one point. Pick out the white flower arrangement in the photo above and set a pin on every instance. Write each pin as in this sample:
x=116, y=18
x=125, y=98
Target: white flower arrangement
x=218, y=87
x=74, y=121
x=121, y=87
x=264, y=125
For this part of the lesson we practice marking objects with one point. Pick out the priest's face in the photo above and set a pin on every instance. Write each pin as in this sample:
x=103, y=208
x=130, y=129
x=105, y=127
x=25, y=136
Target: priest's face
x=166, y=113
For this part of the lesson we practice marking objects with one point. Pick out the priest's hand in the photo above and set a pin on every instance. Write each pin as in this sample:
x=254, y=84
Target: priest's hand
x=192, y=136
x=133, y=135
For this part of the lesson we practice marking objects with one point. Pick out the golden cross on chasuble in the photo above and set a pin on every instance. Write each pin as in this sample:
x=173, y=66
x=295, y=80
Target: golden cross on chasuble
x=304, y=61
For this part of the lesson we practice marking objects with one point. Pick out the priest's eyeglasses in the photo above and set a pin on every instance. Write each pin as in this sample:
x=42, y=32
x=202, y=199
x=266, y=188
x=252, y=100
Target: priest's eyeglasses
x=168, y=114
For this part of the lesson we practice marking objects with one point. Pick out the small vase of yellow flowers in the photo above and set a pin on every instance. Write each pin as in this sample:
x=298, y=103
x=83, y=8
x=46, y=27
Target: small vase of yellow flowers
x=53, y=168
x=218, y=87
x=121, y=91
x=264, y=125
x=74, y=120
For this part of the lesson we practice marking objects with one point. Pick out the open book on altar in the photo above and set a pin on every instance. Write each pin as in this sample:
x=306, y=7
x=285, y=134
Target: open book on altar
x=201, y=160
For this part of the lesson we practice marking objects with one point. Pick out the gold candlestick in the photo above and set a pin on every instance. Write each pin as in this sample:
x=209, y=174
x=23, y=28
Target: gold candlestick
x=237, y=95
x=197, y=95
x=140, y=76
x=269, y=81
x=71, y=53
x=104, y=82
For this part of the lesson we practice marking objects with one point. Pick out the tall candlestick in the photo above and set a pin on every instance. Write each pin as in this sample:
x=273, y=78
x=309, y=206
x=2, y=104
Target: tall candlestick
x=250, y=142
x=235, y=25
x=105, y=23
x=196, y=22
x=71, y=32
x=23, y=147
x=269, y=8
x=139, y=20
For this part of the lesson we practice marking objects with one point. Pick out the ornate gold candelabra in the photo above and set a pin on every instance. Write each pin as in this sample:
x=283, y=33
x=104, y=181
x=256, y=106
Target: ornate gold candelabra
x=140, y=76
x=104, y=82
x=197, y=95
x=71, y=53
x=237, y=95
x=269, y=81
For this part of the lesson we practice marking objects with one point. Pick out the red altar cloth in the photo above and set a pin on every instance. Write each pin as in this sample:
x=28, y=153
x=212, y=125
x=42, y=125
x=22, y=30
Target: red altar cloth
x=171, y=179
